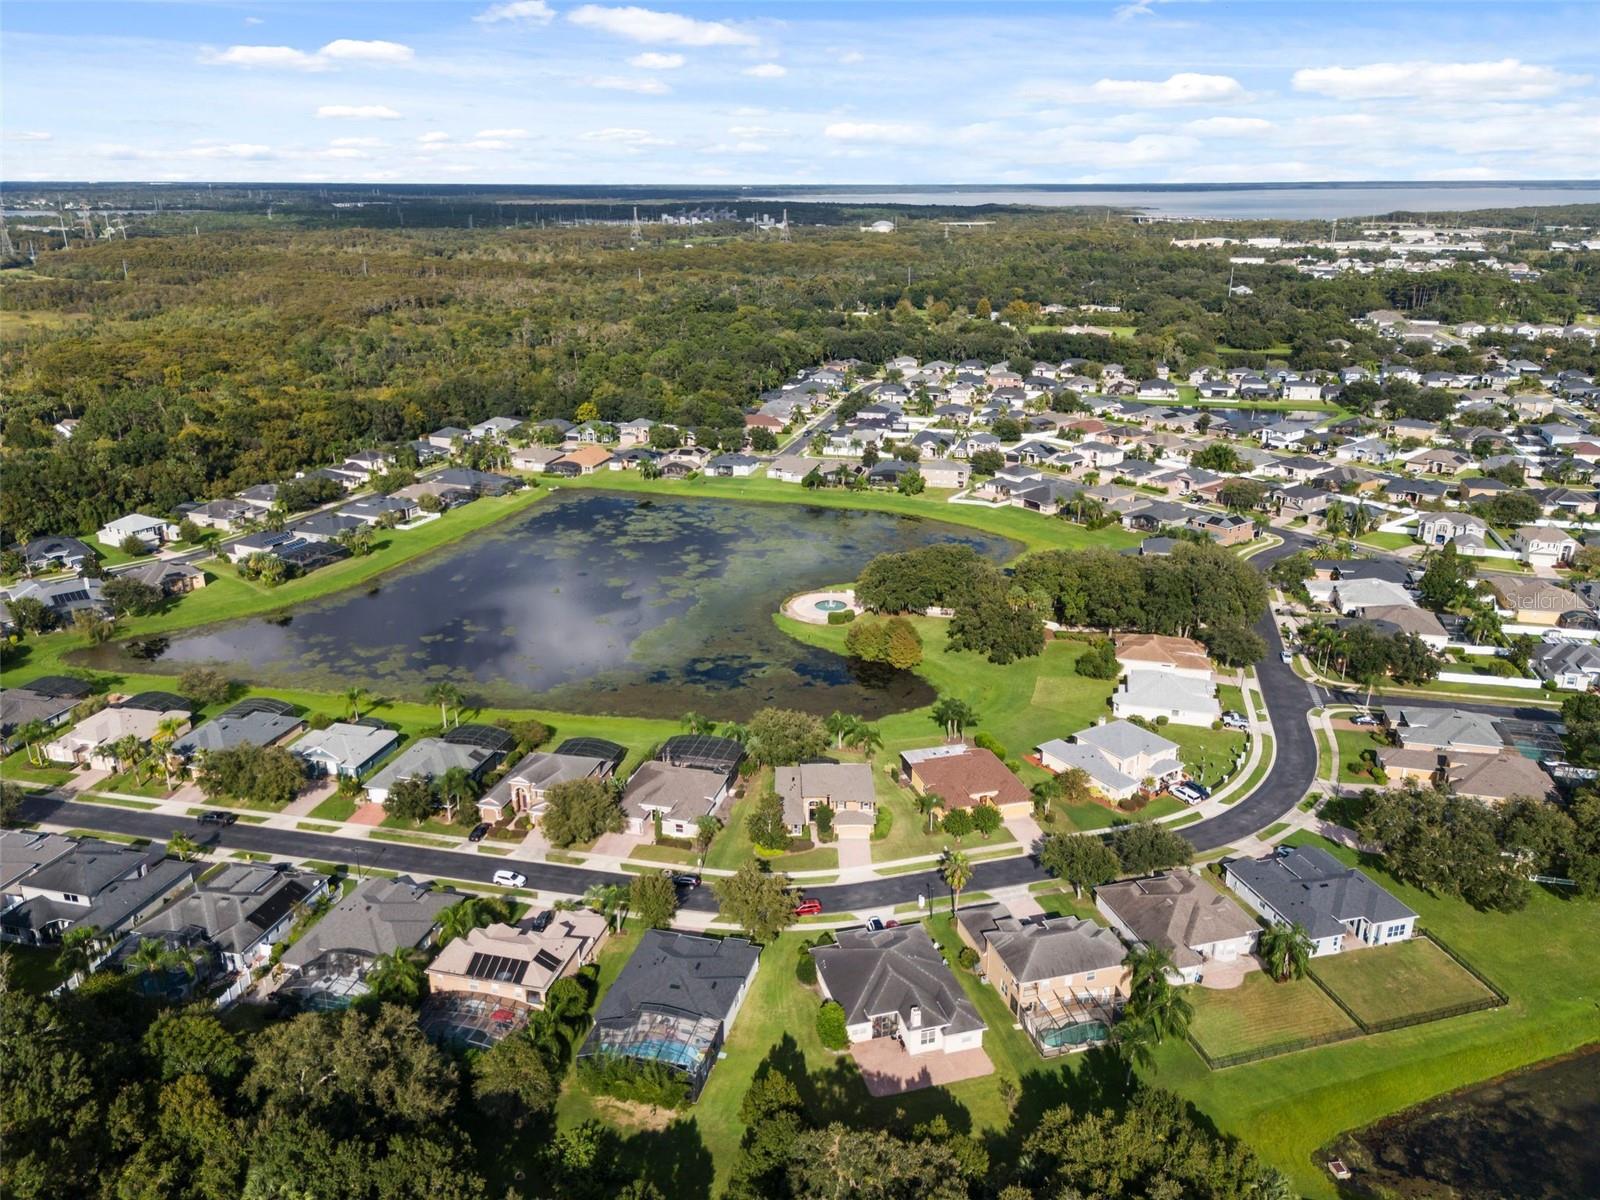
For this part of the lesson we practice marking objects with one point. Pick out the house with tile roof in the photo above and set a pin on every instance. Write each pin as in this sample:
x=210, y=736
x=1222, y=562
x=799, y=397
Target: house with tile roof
x=1182, y=914
x=965, y=776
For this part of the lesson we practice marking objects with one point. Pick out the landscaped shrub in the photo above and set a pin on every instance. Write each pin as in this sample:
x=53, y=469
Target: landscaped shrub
x=639, y=1082
x=843, y=617
x=830, y=1026
x=823, y=816
x=987, y=741
x=805, y=967
x=882, y=823
x=967, y=957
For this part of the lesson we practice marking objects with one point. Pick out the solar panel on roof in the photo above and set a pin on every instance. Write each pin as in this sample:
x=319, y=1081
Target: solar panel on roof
x=547, y=960
x=278, y=906
x=496, y=967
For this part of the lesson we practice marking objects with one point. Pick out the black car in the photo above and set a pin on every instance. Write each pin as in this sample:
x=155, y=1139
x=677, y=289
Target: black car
x=686, y=881
x=479, y=832
x=541, y=921
x=218, y=818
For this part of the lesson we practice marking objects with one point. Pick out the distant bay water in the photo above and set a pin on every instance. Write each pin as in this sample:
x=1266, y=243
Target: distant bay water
x=1289, y=202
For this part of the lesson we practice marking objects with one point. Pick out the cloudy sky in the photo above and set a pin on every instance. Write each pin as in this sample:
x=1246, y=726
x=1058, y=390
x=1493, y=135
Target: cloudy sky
x=875, y=91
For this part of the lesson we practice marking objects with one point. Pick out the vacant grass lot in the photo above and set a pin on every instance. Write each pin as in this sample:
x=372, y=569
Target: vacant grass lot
x=1386, y=983
x=1287, y=1107
x=1261, y=1013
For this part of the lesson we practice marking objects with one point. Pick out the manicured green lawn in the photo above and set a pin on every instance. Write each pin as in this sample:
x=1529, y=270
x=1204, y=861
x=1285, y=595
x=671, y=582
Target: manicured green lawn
x=337, y=807
x=1261, y=1013
x=1287, y=1107
x=1387, y=541
x=1208, y=754
x=1385, y=983
x=130, y=783
x=16, y=768
x=1352, y=742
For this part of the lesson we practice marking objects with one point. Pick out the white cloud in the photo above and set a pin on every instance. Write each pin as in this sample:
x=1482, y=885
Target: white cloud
x=1507, y=79
x=737, y=148
x=754, y=131
x=433, y=138
x=255, y=21
x=624, y=137
x=874, y=131
x=205, y=150
x=851, y=57
x=535, y=12
x=342, y=153
x=766, y=71
x=504, y=135
x=623, y=83
x=1228, y=126
x=651, y=60
x=1186, y=87
x=29, y=135
x=289, y=59
x=282, y=57
x=482, y=143
x=357, y=112
x=378, y=52
x=648, y=25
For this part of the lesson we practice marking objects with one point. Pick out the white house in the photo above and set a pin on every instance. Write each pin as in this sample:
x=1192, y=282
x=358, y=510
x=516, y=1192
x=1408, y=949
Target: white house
x=1544, y=546
x=1307, y=886
x=152, y=531
x=894, y=984
x=1155, y=694
x=1117, y=757
x=1571, y=666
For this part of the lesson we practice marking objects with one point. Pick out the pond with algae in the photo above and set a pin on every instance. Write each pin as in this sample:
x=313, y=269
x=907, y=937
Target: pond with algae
x=593, y=602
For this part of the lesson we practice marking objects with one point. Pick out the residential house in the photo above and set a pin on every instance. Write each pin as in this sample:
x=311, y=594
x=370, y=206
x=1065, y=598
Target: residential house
x=524, y=788
x=1544, y=547
x=637, y=431
x=428, y=759
x=481, y=483
x=329, y=962
x=1407, y=618
x=495, y=429
x=1168, y=655
x=255, y=722
x=1225, y=529
x=101, y=885
x=56, y=554
x=377, y=510
x=1182, y=914
x=448, y=437
x=226, y=515
x=1570, y=665
x=1469, y=533
x=168, y=578
x=1439, y=462
x=950, y=475
x=1119, y=757
x=536, y=458
x=514, y=965
x=1307, y=886
x=1444, y=731
x=345, y=749
x=321, y=528
x=585, y=460
x=1062, y=977
x=1283, y=435
x=150, y=531
x=241, y=911
x=1496, y=778
x=1154, y=694
x=737, y=466
x=894, y=983
x=93, y=740
x=846, y=788
x=672, y=798
x=965, y=776
x=20, y=707
x=1302, y=498
x=1349, y=596
x=62, y=597
x=1531, y=601
x=674, y=1002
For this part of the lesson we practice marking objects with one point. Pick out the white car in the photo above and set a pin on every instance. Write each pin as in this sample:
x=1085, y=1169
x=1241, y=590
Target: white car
x=1186, y=793
x=510, y=879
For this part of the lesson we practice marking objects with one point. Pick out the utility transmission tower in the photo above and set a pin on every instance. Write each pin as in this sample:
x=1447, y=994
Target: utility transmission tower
x=635, y=233
x=783, y=230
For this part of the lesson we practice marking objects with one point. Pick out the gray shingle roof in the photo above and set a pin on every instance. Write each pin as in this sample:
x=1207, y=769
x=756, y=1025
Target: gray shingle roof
x=688, y=972
x=874, y=973
x=1308, y=886
x=381, y=915
x=1048, y=948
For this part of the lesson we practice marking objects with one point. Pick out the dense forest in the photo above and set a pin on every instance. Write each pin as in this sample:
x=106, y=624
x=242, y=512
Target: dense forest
x=200, y=364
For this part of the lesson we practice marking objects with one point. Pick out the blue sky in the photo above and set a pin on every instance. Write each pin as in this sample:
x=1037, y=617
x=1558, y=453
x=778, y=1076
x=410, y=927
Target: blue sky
x=545, y=91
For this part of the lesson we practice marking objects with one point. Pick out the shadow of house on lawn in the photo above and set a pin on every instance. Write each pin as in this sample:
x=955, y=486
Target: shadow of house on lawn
x=839, y=1093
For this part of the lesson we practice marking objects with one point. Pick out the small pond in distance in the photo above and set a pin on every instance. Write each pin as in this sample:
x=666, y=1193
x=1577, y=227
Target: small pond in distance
x=595, y=602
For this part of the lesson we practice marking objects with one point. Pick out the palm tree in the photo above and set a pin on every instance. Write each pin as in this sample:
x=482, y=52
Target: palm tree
x=953, y=714
x=78, y=948
x=455, y=785
x=472, y=913
x=1145, y=963
x=126, y=751
x=161, y=740
x=28, y=735
x=153, y=956
x=866, y=738
x=353, y=698
x=838, y=726
x=1287, y=950
x=956, y=868
x=605, y=898
x=734, y=731
x=1163, y=1007
x=696, y=723
x=1136, y=1042
x=927, y=803
x=397, y=975
x=444, y=694
x=182, y=847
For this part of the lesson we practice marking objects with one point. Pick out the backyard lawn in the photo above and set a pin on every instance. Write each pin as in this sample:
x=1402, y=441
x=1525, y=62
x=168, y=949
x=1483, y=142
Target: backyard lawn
x=1289, y=1107
x=1261, y=1013
x=1386, y=983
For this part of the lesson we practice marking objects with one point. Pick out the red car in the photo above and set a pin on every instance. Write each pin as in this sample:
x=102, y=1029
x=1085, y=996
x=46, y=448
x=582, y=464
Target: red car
x=808, y=908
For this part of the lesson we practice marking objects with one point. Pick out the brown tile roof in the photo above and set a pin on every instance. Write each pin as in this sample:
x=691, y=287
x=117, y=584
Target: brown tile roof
x=587, y=456
x=1157, y=648
x=963, y=780
x=1499, y=777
